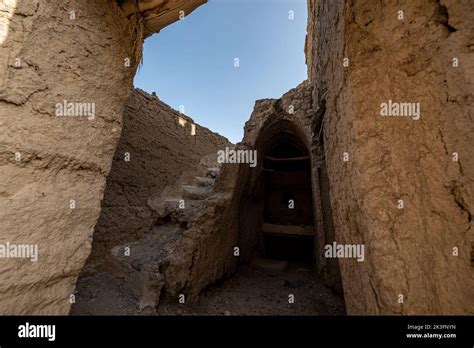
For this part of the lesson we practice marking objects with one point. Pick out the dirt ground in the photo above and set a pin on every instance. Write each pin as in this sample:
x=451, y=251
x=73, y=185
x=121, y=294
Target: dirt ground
x=258, y=290
x=262, y=288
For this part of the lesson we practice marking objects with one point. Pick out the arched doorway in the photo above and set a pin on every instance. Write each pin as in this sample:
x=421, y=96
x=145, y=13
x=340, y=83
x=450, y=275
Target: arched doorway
x=277, y=212
x=288, y=231
x=281, y=231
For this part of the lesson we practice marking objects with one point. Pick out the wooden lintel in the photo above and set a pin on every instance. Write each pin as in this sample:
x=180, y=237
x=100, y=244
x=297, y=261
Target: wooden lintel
x=302, y=158
x=290, y=230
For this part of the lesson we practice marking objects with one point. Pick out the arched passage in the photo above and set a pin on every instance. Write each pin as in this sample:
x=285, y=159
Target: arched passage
x=287, y=229
x=281, y=234
x=277, y=205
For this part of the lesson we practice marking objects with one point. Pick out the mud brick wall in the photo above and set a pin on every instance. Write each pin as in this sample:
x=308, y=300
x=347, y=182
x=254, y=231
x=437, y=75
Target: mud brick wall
x=417, y=257
x=153, y=151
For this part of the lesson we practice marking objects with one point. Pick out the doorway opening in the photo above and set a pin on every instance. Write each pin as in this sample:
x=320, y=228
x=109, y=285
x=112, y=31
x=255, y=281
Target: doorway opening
x=288, y=222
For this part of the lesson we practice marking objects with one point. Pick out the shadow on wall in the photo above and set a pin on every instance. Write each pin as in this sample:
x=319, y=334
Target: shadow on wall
x=157, y=145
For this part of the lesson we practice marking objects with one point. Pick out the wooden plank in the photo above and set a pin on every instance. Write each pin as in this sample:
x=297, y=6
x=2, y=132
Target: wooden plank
x=302, y=158
x=289, y=230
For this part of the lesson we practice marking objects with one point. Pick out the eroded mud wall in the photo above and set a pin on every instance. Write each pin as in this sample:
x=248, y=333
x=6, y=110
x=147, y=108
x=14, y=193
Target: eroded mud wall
x=207, y=253
x=157, y=14
x=54, y=168
x=411, y=265
x=153, y=151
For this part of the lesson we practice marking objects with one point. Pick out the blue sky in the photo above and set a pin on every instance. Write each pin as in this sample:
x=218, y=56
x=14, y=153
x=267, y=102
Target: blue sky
x=191, y=62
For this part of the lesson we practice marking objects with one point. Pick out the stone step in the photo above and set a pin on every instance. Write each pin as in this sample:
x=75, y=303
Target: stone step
x=163, y=206
x=204, y=182
x=196, y=192
x=213, y=172
x=209, y=160
x=171, y=205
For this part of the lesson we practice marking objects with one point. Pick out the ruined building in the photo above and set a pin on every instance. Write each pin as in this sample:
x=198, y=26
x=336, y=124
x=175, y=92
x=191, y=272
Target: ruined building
x=87, y=191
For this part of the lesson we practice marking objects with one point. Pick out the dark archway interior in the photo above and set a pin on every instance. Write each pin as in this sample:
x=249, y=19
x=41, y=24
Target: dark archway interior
x=276, y=210
x=288, y=222
x=279, y=233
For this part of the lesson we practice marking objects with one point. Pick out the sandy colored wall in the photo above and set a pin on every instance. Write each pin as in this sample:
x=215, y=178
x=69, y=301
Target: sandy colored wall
x=206, y=252
x=45, y=160
x=62, y=158
x=160, y=151
x=409, y=251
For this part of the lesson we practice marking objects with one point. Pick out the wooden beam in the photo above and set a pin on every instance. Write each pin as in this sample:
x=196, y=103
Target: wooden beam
x=289, y=230
x=302, y=158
